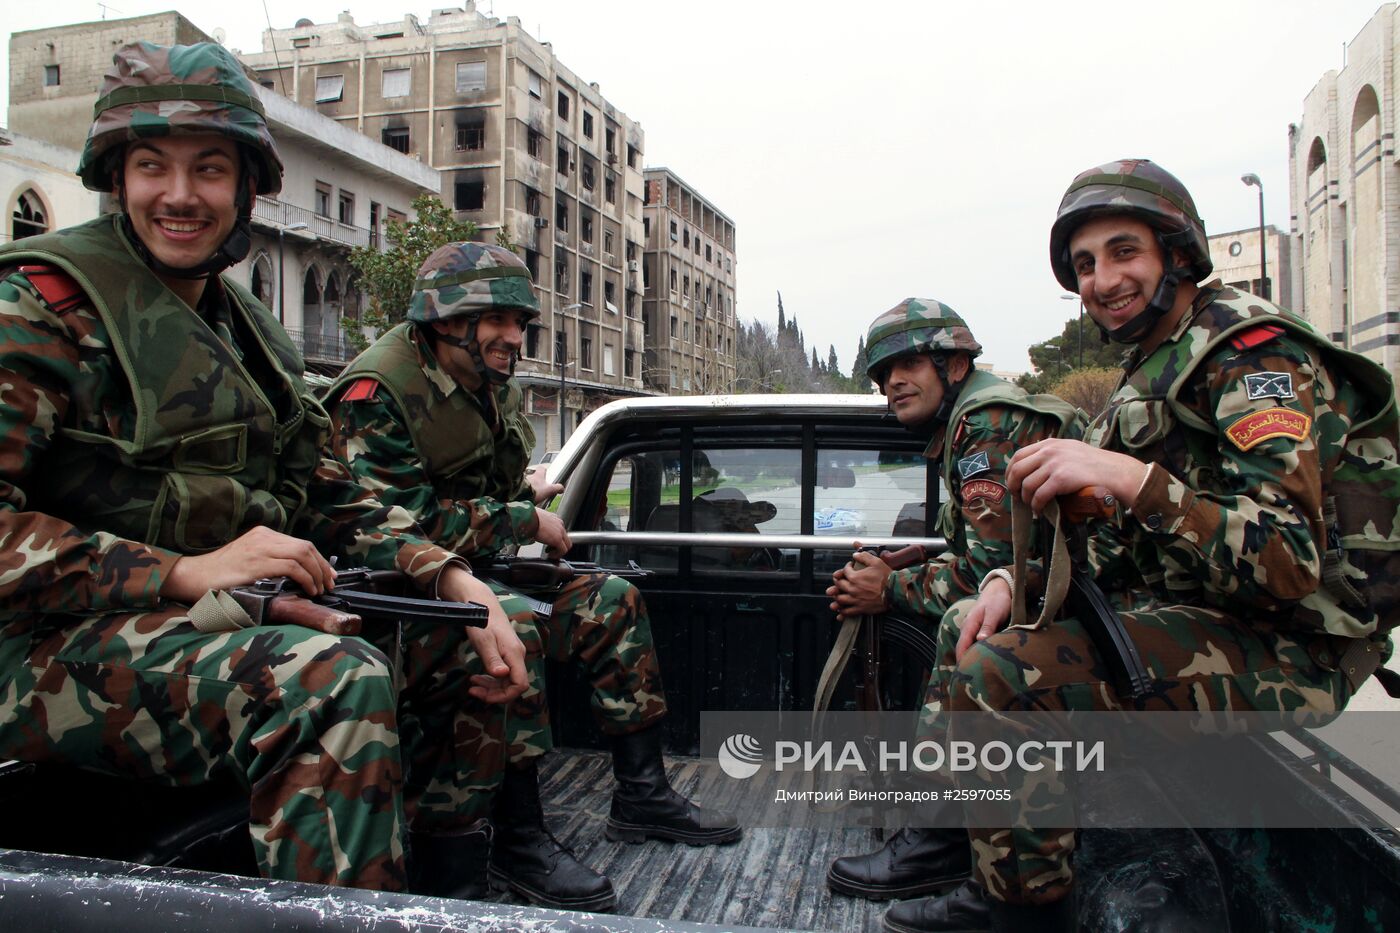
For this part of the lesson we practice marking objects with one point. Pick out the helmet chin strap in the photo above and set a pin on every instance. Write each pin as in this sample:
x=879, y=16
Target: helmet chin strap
x=1141, y=324
x=951, y=389
x=472, y=346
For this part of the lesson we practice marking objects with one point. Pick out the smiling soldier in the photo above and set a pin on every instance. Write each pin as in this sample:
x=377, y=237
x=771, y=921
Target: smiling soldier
x=1254, y=548
x=429, y=418
x=157, y=447
x=921, y=355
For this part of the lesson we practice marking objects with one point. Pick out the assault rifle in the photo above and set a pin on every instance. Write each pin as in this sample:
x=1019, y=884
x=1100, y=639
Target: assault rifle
x=539, y=575
x=357, y=596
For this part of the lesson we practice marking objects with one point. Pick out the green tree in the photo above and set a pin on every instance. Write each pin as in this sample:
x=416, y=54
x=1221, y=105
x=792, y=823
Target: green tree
x=862, y=362
x=387, y=277
x=1078, y=346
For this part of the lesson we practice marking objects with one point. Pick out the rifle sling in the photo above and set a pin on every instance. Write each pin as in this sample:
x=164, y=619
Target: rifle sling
x=1091, y=607
x=411, y=609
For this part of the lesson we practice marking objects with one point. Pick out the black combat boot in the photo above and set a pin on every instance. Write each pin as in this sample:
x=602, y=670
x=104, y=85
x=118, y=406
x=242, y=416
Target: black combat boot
x=912, y=863
x=450, y=863
x=968, y=909
x=644, y=805
x=529, y=861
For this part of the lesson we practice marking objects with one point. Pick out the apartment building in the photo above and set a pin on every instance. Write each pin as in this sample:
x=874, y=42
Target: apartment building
x=1344, y=195
x=688, y=310
x=525, y=147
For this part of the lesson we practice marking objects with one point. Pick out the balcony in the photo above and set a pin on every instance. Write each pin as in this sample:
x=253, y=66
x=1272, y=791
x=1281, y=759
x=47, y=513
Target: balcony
x=315, y=345
x=280, y=214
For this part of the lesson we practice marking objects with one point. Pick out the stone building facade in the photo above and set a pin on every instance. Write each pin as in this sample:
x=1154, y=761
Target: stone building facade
x=1345, y=198
x=688, y=280
x=1235, y=256
x=525, y=146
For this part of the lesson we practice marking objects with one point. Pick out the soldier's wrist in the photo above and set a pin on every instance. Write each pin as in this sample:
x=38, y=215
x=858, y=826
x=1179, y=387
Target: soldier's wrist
x=1001, y=573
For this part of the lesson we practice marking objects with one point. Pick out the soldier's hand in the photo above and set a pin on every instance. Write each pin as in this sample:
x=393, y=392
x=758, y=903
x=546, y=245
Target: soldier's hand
x=858, y=589
x=258, y=553
x=1056, y=467
x=552, y=534
x=985, y=618
x=541, y=488
x=501, y=652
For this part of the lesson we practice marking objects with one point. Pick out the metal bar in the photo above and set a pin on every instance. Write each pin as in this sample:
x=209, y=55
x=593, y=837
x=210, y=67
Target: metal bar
x=1330, y=756
x=726, y=539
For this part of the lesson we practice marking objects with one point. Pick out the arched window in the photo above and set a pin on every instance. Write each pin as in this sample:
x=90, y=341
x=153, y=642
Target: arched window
x=261, y=283
x=1366, y=107
x=332, y=294
x=311, y=287
x=1317, y=155
x=29, y=218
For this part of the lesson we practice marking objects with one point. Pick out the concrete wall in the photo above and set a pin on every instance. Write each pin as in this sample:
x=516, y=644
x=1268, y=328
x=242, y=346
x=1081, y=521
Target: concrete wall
x=82, y=52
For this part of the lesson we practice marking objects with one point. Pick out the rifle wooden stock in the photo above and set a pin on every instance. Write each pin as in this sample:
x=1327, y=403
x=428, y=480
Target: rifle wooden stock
x=289, y=609
x=1091, y=502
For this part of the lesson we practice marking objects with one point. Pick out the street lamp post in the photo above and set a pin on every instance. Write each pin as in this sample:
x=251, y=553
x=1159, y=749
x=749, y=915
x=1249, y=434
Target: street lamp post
x=280, y=265
x=1069, y=297
x=1264, y=291
x=561, y=351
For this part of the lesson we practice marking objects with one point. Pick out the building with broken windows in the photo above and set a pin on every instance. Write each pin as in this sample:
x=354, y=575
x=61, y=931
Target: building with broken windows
x=688, y=281
x=1344, y=195
x=525, y=147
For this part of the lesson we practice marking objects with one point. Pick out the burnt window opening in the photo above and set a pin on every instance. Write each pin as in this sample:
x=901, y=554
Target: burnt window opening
x=469, y=195
x=585, y=287
x=561, y=216
x=587, y=124
x=396, y=137
x=534, y=144
x=471, y=133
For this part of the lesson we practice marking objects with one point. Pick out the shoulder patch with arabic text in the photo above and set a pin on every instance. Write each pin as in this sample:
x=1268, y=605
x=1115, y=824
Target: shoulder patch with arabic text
x=1260, y=426
x=983, y=489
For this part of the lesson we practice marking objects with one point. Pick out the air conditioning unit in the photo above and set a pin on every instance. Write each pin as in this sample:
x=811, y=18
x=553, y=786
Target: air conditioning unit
x=612, y=158
x=633, y=265
x=541, y=221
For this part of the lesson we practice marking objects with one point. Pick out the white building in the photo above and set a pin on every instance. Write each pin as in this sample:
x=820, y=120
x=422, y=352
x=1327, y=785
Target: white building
x=1345, y=197
x=39, y=188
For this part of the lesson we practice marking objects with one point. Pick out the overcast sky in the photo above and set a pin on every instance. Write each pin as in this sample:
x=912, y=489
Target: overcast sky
x=879, y=150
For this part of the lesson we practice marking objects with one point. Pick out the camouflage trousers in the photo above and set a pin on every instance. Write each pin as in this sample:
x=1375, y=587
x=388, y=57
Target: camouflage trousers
x=311, y=723
x=599, y=624
x=1199, y=659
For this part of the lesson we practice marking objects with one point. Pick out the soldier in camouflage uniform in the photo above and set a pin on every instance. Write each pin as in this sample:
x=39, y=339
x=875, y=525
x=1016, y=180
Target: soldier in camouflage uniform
x=429, y=419
x=1238, y=443
x=158, y=446
x=921, y=355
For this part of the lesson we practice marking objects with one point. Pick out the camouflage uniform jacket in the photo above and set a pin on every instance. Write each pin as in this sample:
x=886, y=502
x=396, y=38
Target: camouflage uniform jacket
x=991, y=420
x=1256, y=431
x=166, y=427
x=453, y=457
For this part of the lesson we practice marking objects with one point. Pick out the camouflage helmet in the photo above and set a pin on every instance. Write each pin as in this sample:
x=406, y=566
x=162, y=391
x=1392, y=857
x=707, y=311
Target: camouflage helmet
x=1130, y=186
x=916, y=325
x=154, y=90
x=468, y=279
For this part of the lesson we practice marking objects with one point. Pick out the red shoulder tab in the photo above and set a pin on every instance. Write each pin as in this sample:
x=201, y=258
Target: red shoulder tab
x=361, y=390
x=1252, y=337
x=55, y=286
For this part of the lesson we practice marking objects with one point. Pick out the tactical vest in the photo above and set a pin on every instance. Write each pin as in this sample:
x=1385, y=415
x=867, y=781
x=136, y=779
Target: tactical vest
x=1360, y=592
x=983, y=390
x=451, y=435
x=212, y=451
